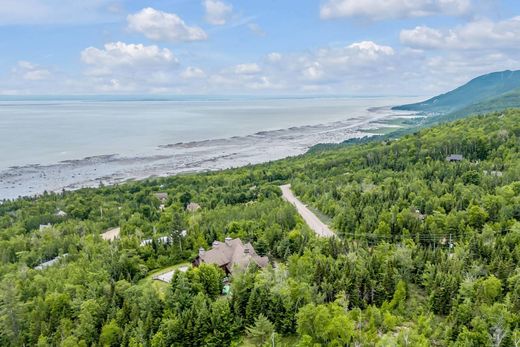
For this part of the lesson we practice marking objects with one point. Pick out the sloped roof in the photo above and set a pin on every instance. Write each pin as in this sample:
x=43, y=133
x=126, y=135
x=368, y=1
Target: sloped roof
x=232, y=253
x=161, y=196
x=192, y=207
x=455, y=157
x=51, y=262
x=162, y=240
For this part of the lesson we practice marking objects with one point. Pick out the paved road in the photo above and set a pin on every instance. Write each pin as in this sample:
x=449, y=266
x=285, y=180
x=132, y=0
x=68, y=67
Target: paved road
x=320, y=228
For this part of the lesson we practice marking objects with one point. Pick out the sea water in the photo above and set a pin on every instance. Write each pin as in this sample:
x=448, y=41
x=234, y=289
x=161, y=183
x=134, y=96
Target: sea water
x=44, y=141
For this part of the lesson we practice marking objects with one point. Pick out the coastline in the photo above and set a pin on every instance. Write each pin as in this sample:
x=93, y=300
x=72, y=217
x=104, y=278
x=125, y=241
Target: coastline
x=188, y=157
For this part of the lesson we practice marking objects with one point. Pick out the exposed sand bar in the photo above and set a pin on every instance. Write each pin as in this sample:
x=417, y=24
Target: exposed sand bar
x=195, y=156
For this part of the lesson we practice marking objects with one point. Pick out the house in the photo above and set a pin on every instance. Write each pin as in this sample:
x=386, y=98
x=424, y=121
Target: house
x=192, y=207
x=162, y=240
x=419, y=215
x=51, y=262
x=45, y=226
x=61, y=214
x=493, y=173
x=230, y=255
x=162, y=197
x=454, y=157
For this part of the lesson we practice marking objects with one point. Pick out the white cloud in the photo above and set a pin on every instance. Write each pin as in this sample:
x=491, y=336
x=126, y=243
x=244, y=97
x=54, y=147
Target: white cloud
x=193, y=72
x=392, y=9
x=35, y=12
x=479, y=34
x=356, y=55
x=313, y=72
x=162, y=26
x=256, y=29
x=262, y=82
x=217, y=12
x=120, y=54
x=274, y=57
x=119, y=66
x=370, y=50
x=247, y=69
x=31, y=72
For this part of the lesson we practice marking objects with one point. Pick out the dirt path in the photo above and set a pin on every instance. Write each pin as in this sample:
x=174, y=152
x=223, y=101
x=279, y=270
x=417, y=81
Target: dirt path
x=320, y=228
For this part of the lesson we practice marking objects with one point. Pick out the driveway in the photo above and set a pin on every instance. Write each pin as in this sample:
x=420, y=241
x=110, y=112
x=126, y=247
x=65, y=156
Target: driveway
x=320, y=228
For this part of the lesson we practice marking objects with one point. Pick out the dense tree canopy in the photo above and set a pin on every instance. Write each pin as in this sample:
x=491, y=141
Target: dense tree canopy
x=427, y=252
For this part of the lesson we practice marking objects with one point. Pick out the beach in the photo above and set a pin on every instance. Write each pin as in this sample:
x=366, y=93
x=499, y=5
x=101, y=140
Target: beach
x=219, y=135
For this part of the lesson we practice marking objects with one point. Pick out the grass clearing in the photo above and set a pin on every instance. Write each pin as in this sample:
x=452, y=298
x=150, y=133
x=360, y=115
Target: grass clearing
x=160, y=286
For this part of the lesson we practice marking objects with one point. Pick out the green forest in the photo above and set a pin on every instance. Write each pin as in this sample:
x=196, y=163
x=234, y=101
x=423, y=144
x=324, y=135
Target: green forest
x=427, y=251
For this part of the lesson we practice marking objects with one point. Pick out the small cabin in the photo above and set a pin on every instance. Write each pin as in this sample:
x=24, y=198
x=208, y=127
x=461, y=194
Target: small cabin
x=51, y=262
x=164, y=240
x=454, y=158
x=61, y=214
x=162, y=197
x=193, y=207
x=45, y=226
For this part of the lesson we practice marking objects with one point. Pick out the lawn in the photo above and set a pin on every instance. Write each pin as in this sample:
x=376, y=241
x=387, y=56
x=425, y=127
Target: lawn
x=160, y=286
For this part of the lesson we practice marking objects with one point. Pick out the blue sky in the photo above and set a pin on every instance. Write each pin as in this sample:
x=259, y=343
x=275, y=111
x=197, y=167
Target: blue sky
x=351, y=47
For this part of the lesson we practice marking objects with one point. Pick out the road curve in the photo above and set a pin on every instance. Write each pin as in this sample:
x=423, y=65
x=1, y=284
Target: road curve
x=320, y=228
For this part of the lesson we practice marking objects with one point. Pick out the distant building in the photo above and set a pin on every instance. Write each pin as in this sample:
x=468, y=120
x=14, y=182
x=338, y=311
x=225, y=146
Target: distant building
x=230, y=255
x=51, y=262
x=493, y=173
x=192, y=207
x=454, y=157
x=45, y=226
x=162, y=240
x=161, y=196
x=419, y=215
x=167, y=276
x=61, y=213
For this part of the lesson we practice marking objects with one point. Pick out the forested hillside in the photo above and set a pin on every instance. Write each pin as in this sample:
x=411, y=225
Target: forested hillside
x=427, y=252
x=485, y=87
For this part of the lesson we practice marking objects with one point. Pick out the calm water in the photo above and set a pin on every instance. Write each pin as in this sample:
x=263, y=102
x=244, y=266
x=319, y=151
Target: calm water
x=49, y=131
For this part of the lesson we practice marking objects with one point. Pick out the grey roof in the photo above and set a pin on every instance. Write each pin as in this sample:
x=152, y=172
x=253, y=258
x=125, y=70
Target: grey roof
x=454, y=157
x=61, y=213
x=45, y=226
x=51, y=262
x=232, y=253
x=162, y=239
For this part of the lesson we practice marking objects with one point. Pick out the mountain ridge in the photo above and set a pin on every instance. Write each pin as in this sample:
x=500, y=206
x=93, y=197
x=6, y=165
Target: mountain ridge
x=478, y=90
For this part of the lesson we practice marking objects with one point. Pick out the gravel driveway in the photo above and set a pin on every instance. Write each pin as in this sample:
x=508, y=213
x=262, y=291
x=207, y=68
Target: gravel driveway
x=320, y=228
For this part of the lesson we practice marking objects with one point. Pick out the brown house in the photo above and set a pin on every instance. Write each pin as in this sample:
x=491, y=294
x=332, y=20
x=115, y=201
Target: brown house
x=161, y=196
x=230, y=255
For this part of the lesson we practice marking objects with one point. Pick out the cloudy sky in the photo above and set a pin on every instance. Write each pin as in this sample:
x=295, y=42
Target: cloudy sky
x=348, y=47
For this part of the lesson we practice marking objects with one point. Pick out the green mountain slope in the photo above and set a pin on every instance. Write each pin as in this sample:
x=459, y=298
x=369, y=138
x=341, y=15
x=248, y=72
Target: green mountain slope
x=503, y=102
x=486, y=87
x=494, y=92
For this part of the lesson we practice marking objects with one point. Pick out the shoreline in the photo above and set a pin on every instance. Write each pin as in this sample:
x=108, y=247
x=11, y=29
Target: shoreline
x=187, y=157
